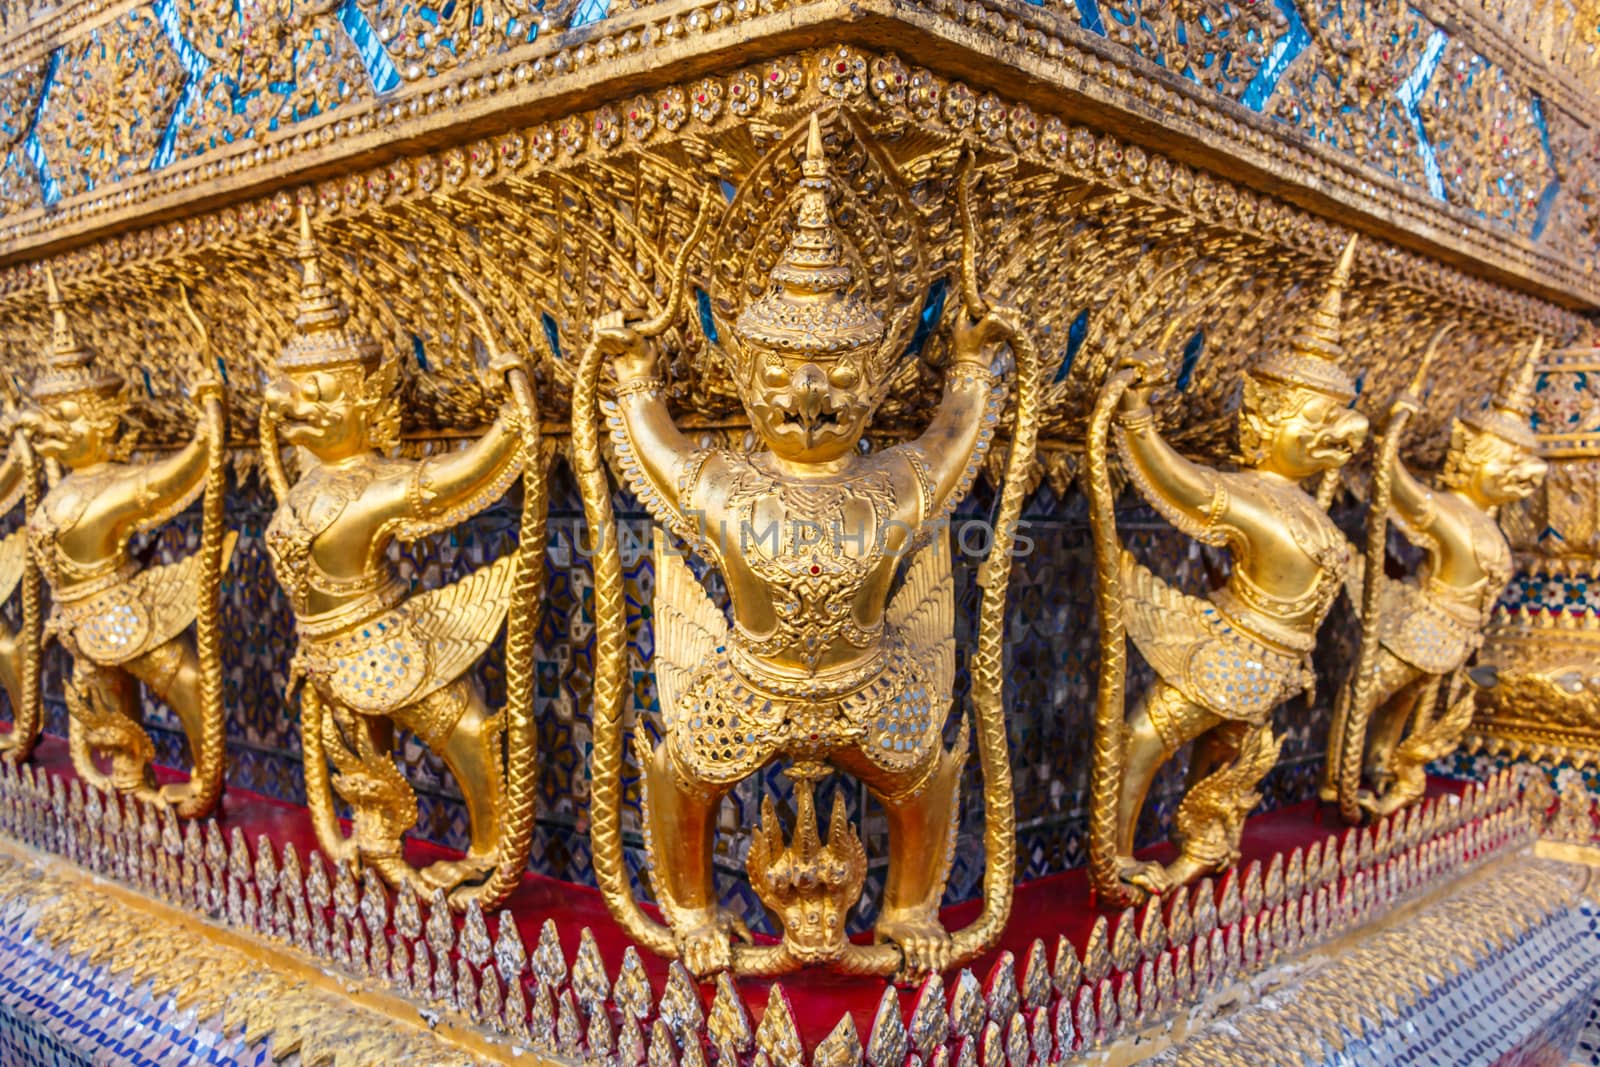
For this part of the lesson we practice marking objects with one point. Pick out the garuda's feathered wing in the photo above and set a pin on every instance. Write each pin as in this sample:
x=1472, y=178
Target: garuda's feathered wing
x=171, y=592
x=923, y=612
x=13, y=561
x=688, y=625
x=1164, y=624
x=458, y=622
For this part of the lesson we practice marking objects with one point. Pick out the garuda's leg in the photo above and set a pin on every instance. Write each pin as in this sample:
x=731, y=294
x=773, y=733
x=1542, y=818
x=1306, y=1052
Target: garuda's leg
x=1162, y=722
x=922, y=806
x=1391, y=675
x=11, y=666
x=1402, y=686
x=680, y=824
x=172, y=672
x=457, y=723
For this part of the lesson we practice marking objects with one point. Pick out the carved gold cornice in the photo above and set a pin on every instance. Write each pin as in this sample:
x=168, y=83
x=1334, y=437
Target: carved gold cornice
x=1107, y=217
x=1034, y=55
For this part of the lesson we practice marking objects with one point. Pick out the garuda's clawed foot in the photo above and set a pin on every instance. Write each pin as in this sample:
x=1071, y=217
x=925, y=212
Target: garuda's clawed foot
x=705, y=939
x=1148, y=877
x=452, y=874
x=1185, y=869
x=175, y=794
x=924, y=943
x=1378, y=804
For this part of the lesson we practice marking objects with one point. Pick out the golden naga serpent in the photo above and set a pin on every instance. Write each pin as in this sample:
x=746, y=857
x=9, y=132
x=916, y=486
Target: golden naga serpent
x=26, y=718
x=987, y=664
x=527, y=592
x=1106, y=773
x=205, y=776
x=1105, y=776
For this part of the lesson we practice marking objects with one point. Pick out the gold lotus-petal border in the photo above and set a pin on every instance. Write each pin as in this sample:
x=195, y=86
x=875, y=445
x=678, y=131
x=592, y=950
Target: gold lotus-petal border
x=268, y=994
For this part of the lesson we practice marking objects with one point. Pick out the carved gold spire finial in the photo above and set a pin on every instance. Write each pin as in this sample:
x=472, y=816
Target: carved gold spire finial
x=812, y=309
x=1316, y=354
x=320, y=338
x=69, y=366
x=1509, y=415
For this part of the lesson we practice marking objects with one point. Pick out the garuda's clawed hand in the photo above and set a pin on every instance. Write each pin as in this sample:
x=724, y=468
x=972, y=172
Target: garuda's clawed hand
x=1150, y=372
x=624, y=346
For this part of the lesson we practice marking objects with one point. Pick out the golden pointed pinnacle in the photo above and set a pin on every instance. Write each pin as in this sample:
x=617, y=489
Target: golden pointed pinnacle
x=68, y=365
x=816, y=164
x=316, y=301
x=1315, y=359
x=812, y=308
x=61, y=338
x=321, y=339
x=1516, y=389
x=1509, y=415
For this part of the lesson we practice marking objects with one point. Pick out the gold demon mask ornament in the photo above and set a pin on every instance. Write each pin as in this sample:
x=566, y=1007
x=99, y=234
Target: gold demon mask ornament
x=121, y=624
x=829, y=661
x=1225, y=662
x=1418, y=633
x=19, y=651
x=374, y=655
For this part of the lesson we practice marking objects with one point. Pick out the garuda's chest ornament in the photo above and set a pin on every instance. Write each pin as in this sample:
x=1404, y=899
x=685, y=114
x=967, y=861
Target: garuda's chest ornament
x=375, y=656
x=1419, y=632
x=126, y=625
x=1222, y=662
x=840, y=652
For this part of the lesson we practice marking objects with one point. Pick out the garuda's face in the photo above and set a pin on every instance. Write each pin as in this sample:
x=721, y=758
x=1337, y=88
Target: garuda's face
x=807, y=410
x=1312, y=432
x=321, y=410
x=76, y=431
x=1506, y=473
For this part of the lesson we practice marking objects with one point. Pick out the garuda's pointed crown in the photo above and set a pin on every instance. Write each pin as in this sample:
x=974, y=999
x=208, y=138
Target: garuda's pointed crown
x=322, y=339
x=1509, y=414
x=812, y=309
x=68, y=366
x=1315, y=357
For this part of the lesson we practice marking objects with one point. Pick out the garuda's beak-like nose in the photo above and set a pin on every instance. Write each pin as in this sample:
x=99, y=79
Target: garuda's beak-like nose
x=811, y=393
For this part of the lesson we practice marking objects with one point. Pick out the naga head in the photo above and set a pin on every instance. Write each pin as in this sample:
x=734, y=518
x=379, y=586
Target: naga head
x=1494, y=457
x=77, y=410
x=333, y=392
x=1297, y=419
x=808, y=351
x=808, y=885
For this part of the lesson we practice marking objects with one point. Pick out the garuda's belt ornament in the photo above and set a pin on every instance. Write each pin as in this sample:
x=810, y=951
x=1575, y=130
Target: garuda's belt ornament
x=124, y=625
x=373, y=655
x=1420, y=631
x=828, y=661
x=19, y=651
x=1225, y=662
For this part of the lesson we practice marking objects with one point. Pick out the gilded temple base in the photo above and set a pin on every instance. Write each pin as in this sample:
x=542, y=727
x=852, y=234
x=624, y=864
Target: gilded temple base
x=1447, y=900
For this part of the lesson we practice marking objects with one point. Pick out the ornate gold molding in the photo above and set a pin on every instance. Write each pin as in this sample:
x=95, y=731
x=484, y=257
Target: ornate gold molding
x=491, y=83
x=1233, y=261
x=270, y=992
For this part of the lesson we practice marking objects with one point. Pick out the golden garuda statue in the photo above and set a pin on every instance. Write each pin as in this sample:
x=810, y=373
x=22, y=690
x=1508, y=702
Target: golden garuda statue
x=828, y=661
x=121, y=624
x=1222, y=663
x=19, y=651
x=373, y=655
x=1420, y=631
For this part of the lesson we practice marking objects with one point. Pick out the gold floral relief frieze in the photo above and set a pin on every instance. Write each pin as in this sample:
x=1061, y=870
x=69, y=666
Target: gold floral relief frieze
x=303, y=86
x=566, y=220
